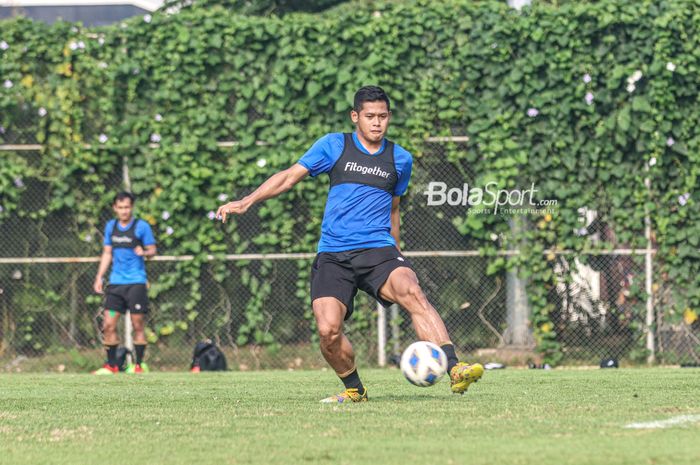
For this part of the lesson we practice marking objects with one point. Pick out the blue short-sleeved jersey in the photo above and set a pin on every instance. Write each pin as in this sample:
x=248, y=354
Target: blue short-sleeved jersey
x=127, y=267
x=357, y=216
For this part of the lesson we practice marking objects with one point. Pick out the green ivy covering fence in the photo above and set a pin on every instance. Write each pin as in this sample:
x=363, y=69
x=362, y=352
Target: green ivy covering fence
x=583, y=100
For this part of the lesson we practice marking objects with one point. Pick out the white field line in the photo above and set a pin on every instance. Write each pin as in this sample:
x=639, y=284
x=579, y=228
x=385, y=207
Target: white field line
x=675, y=421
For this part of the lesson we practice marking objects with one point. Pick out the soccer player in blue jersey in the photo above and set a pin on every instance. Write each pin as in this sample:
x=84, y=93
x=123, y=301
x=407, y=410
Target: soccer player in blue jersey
x=128, y=240
x=359, y=246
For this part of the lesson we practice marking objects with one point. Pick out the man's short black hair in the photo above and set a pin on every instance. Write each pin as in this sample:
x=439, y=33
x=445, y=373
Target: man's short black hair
x=124, y=195
x=370, y=94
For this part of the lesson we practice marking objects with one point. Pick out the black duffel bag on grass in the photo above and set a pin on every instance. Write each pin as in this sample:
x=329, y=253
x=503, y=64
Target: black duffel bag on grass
x=208, y=357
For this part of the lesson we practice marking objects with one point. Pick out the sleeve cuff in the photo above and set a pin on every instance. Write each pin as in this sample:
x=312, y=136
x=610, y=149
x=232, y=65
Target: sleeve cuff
x=311, y=172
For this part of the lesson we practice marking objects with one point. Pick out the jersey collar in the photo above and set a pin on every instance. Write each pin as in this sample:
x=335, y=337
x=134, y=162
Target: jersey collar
x=128, y=225
x=362, y=148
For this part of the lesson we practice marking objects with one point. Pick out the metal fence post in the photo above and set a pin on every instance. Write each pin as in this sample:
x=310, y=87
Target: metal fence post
x=381, y=335
x=128, y=337
x=395, y=334
x=648, y=271
x=518, y=333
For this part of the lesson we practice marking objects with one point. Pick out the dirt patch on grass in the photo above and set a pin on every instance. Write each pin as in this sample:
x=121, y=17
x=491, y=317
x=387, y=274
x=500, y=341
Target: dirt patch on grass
x=63, y=434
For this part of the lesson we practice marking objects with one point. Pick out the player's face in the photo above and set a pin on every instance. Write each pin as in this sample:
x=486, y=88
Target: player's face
x=372, y=121
x=122, y=208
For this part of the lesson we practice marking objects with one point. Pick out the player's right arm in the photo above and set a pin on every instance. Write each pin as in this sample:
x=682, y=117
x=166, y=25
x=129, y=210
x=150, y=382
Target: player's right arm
x=274, y=186
x=320, y=158
x=105, y=260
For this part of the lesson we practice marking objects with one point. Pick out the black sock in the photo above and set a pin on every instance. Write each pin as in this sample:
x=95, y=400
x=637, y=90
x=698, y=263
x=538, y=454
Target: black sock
x=139, y=349
x=111, y=355
x=452, y=360
x=352, y=381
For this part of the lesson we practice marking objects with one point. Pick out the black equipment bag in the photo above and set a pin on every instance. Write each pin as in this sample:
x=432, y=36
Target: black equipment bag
x=208, y=357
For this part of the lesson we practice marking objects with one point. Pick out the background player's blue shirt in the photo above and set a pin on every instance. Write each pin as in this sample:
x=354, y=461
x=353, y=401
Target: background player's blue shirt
x=357, y=216
x=127, y=267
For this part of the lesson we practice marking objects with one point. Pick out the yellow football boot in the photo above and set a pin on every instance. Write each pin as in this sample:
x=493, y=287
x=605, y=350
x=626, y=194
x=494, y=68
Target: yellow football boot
x=348, y=395
x=464, y=374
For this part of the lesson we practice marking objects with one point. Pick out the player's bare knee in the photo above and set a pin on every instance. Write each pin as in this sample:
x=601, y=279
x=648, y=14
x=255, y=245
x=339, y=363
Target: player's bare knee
x=414, y=291
x=329, y=335
x=414, y=297
x=138, y=326
x=109, y=328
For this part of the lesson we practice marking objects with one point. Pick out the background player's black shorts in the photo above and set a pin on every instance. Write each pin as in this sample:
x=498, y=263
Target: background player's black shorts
x=120, y=297
x=341, y=274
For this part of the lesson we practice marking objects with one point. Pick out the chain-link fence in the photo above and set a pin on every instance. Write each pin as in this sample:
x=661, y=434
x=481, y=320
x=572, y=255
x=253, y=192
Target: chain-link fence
x=50, y=319
x=24, y=125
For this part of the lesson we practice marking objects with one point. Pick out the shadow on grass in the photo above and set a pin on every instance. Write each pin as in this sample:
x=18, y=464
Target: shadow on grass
x=413, y=398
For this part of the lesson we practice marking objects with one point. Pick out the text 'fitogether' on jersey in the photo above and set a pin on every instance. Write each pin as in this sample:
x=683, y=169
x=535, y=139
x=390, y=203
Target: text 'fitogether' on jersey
x=362, y=187
x=127, y=267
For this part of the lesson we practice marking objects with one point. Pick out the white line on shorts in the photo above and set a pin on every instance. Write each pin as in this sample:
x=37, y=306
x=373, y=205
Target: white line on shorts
x=675, y=421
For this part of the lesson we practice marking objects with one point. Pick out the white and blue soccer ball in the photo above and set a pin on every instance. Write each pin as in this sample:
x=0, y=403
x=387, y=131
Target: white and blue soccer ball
x=423, y=363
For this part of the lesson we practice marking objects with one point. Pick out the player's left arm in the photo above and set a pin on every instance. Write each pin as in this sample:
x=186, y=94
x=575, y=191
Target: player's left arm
x=404, y=167
x=145, y=235
x=396, y=220
x=146, y=250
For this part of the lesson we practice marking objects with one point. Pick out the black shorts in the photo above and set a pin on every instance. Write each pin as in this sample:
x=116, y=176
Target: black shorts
x=341, y=274
x=123, y=297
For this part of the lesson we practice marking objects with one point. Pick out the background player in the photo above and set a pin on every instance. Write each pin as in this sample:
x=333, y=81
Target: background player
x=127, y=241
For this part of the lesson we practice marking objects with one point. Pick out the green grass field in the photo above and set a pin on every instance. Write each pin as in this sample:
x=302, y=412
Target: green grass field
x=510, y=417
